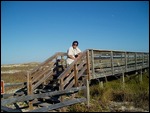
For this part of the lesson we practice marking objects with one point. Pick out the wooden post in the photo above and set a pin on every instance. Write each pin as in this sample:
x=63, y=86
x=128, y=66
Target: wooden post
x=88, y=64
x=30, y=91
x=125, y=61
x=61, y=87
x=112, y=67
x=142, y=60
x=135, y=61
x=87, y=91
x=92, y=64
x=75, y=78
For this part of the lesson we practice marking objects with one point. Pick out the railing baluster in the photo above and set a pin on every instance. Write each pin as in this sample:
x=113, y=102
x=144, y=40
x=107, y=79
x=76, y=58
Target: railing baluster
x=76, y=75
x=88, y=64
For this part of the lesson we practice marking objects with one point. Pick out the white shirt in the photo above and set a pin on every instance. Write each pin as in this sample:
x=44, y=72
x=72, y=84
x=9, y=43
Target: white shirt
x=72, y=52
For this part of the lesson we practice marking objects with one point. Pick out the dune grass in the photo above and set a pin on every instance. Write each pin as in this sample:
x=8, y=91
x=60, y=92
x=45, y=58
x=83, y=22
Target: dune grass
x=133, y=91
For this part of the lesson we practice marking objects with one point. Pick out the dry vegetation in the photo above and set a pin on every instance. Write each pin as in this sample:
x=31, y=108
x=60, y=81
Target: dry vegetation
x=15, y=73
x=113, y=97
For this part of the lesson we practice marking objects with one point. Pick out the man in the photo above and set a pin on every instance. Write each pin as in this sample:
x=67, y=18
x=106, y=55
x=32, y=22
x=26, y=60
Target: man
x=73, y=52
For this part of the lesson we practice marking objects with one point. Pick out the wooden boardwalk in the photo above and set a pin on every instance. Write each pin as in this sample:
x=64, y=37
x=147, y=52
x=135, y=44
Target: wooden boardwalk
x=53, y=75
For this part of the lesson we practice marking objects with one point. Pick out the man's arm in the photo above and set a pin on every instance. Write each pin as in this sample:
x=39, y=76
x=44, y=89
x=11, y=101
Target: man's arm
x=71, y=57
x=79, y=54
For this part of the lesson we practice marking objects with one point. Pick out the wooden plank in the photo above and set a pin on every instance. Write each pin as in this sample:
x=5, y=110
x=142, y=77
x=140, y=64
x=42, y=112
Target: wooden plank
x=75, y=75
x=14, y=84
x=135, y=61
x=34, y=96
x=39, y=71
x=38, y=75
x=29, y=88
x=112, y=67
x=92, y=64
x=44, y=104
x=82, y=71
x=42, y=80
x=79, y=75
x=68, y=79
x=87, y=91
x=88, y=64
x=71, y=83
x=7, y=109
x=59, y=105
x=4, y=96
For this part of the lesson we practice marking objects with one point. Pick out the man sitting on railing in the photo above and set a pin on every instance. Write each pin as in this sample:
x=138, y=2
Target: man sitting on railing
x=73, y=52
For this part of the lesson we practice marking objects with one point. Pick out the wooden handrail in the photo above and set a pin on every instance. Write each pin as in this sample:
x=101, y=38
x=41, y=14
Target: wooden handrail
x=75, y=71
x=71, y=66
x=49, y=59
x=35, y=77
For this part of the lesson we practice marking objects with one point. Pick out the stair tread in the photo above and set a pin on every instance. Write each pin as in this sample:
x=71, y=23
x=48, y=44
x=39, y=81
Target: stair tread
x=19, y=93
x=46, y=97
x=36, y=102
x=44, y=104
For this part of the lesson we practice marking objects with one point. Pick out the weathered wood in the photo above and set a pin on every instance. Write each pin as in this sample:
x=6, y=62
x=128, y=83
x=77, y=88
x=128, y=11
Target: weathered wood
x=44, y=104
x=125, y=62
x=7, y=109
x=75, y=75
x=42, y=80
x=92, y=64
x=88, y=64
x=79, y=75
x=40, y=75
x=4, y=96
x=47, y=60
x=135, y=61
x=82, y=71
x=34, y=96
x=112, y=66
x=29, y=89
x=47, y=66
x=15, y=84
x=87, y=91
x=59, y=105
x=66, y=81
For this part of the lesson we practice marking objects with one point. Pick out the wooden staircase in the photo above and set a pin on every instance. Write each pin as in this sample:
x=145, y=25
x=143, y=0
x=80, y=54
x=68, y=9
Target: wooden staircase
x=45, y=72
x=53, y=74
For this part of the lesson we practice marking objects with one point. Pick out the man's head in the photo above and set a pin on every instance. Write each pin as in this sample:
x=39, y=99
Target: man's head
x=75, y=44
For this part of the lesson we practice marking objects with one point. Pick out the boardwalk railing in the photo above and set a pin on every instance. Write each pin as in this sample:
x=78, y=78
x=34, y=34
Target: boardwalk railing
x=107, y=62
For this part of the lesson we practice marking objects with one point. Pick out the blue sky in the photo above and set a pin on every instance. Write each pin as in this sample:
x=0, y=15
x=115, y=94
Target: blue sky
x=33, y=31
